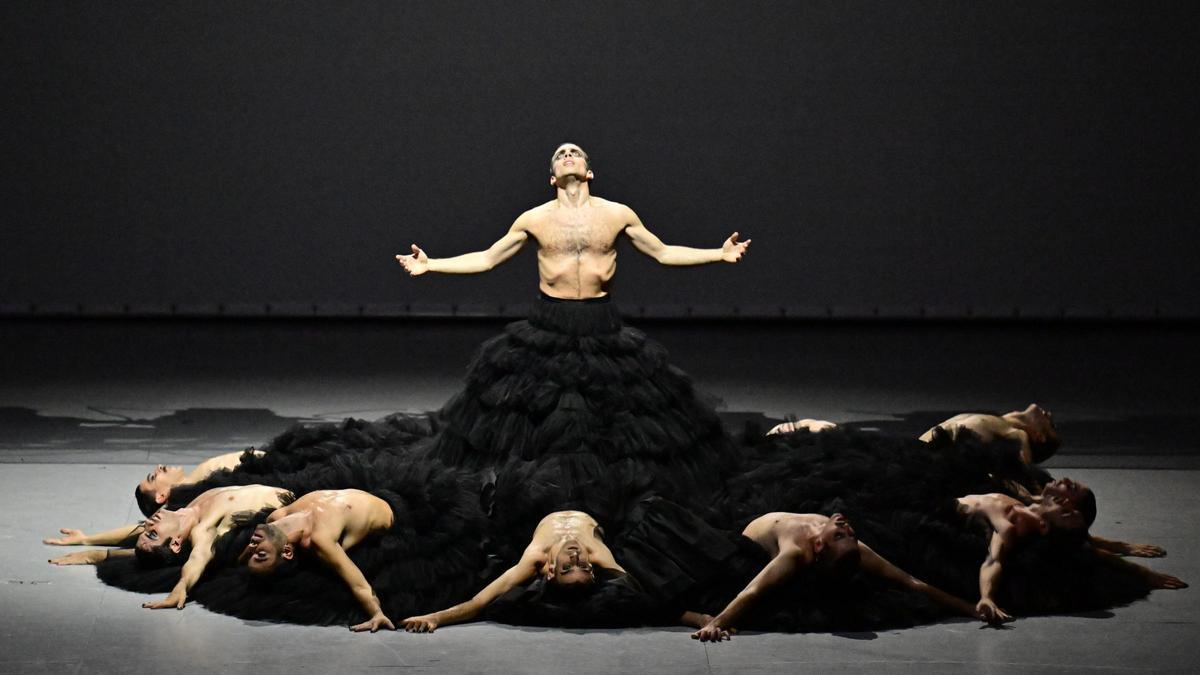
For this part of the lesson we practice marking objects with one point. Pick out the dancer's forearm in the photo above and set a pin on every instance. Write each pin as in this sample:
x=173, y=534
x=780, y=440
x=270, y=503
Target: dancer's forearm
x=467, y=263
x=681, y=256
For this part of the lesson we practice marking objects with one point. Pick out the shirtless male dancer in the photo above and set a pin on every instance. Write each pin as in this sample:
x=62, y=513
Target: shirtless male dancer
x=796, y=541
x=566, y=549
x=151, y=492
x=187, y=534
x=1032, y=429
x=1014, y=523
x=328, y=523
x=576, y=235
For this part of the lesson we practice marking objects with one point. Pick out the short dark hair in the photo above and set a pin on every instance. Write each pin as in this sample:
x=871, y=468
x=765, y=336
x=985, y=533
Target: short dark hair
x=161, y=555
x=839, y=564
x=146, y=502
x=1087, y=507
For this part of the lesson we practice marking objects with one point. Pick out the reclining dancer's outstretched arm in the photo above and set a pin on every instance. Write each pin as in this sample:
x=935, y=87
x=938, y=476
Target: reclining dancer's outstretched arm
x=202, y=541
x=1127, y=548
x=331, y=553
x=113, y=537
x=521, y=573
x=1150, y=577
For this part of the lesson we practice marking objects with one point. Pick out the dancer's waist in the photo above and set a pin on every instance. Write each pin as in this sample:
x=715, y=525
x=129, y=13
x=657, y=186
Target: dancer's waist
x=586, y=301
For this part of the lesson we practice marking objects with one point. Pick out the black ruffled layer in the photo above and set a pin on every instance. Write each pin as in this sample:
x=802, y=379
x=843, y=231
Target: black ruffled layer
x=572, y=410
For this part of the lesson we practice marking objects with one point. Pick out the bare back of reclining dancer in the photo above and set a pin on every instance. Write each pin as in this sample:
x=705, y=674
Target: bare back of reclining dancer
x=796, y=541
x=576, y=235
x=567, y=548
x=1064, y=508
x=328, y=523
x=187, y=535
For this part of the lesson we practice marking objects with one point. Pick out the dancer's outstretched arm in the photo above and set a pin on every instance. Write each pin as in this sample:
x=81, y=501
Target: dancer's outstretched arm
x=202, y=553
x=91, y=557
x=418, y=263
x=647, y=242
x=873, y=563
x=781, y=568
x=1125, y=548
x=1152, y=578
x=989, y=580
x=331, y=553
x=516, y=575
x=111, y=537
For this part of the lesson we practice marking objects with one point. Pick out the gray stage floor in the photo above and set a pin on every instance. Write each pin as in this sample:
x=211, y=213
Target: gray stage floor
x=86, y=406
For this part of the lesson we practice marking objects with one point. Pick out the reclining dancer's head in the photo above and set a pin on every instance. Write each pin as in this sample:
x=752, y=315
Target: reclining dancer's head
x=163, y=541
x=1067, y=507
x=268, y=550
x=570, y=566
x=836, y=549
x=154, y=490
x=1038, y=425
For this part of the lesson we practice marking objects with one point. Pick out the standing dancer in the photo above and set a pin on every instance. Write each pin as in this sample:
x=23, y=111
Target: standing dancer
x=555, y=400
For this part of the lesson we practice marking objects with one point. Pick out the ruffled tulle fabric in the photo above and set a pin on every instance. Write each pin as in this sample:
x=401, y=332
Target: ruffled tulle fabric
x=571, y=409
x=433, y=556
x=558, y=399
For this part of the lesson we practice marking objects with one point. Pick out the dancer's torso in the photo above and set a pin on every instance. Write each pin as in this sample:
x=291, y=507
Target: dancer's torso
x=218, y=507
x=772, y=531
x=343, y=516
x=577, y=254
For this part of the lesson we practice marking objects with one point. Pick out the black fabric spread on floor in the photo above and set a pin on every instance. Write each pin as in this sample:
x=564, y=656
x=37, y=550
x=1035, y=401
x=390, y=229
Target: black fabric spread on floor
x=572, y=410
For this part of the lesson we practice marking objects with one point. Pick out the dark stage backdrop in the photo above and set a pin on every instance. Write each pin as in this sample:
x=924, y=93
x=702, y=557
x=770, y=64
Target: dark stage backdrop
x=895, y=158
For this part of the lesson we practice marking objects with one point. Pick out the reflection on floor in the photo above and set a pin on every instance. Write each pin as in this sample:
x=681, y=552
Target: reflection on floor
x=76, y=433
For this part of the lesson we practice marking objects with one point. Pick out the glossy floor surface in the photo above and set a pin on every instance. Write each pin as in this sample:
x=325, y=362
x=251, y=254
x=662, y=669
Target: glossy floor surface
x=86, y=406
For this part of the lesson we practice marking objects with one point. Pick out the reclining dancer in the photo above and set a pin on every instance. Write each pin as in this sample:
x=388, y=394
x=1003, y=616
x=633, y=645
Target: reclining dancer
x=328, y=523
x=151, y=493
x=1034, y=433
x=187, y=535
x=566, y=550
x=796, y=541
x=1032, y=429
x=1065, y=509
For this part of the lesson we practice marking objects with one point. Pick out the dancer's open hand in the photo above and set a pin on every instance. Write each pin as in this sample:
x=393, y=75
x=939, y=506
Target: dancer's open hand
x=81, y=558
x=415, y=264
x=1160, y=580
x=421, y=624
x=1138, y=550
x=176, y=599
x=733, y=250
x=989, y=612
x=712, y=633
x=73, y=538
x=373, y=624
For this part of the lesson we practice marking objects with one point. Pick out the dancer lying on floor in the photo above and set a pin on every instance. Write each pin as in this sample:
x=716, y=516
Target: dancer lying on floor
x=1033, y=432
x=1032, y=429
x=328, y=523
x=797, y=541
x=151, y=493
x=1063, y=514
x=567, y=550
x=187, y=535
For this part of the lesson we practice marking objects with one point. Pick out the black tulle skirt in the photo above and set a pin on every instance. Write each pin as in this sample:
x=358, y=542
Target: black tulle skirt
x=571, y=409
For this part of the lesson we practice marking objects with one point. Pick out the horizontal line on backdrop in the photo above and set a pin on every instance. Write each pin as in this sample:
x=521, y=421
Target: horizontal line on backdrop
x=294, y=310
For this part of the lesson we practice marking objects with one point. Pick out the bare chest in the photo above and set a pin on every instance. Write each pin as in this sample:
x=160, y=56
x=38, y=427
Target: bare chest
x=575, y=232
